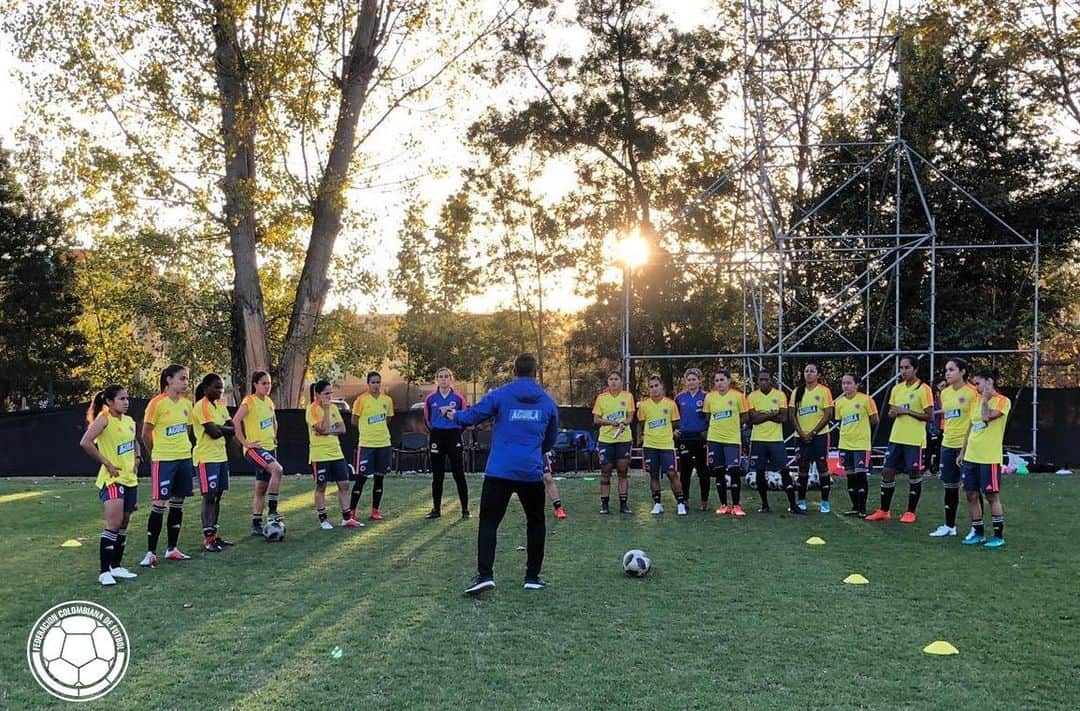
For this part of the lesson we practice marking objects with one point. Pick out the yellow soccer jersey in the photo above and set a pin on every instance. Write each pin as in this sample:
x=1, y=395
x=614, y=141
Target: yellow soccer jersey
x=814, y=401
x=917, y=397
x=258, y=423
x=955, y=403
x=767, y=404
x=117, y=444
x=170, y=419
x=324, y=447
x=618, y=407
x=207, y=449
x=985, y=441
x=373, y=417
x=658, y=420
x=725, y=421
x=854, y=416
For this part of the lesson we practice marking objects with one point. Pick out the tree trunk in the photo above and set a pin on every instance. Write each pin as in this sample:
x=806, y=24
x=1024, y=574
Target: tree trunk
x=358, y=68
x=238, y=133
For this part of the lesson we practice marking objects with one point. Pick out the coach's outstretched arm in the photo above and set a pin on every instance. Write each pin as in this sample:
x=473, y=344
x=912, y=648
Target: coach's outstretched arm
x=482, y=411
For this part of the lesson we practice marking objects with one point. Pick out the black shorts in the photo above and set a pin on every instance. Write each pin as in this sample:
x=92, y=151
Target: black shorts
x=262, y=459
x=171, y=478
x=335, y=471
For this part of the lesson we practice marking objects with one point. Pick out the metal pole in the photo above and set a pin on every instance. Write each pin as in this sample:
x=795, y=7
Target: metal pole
x=626, y=324
x=933, y=301
x=1035, y=361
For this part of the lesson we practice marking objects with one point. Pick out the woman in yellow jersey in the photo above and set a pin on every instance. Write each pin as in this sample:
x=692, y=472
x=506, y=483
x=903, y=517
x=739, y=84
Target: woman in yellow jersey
x=325, y=427
x=371, y=414
x=857, y=413
x=255, y=424
x=956, y=398
x=812, y=413
x=110, y=441
x=981, y=458
x=165, y=435
x=768, y=413
x=657, y=415
x=212, y=428
x=613, y=413
x=727, y=411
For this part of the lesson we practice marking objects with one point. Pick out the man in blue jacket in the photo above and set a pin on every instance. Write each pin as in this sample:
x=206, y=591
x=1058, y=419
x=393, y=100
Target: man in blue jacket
x=526, y=422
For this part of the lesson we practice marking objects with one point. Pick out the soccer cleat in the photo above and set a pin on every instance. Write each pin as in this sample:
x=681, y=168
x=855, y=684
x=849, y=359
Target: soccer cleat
x=973, y=539
x=942, y=531
x=605, y=510
x=657, y=509
x=175, y=554
x=256, y=530
x=737, y=511
x=724, y=510
x=433, y=514
x=222, y=542
x=994, y=542
x=376, y=515
x=826, y=507
x=801, y=503
x=276, y=517
x=704, y=505
x=852, y=512
x=680, y=510
x=764, y=509
x=210, y=545
x=479, y=585
x=149, y=560
x=106, y=578
x=534, y=584
x=796, y=511
x=880, y=515
x=625, y=509
x=326, y=525
x=351, y=523
x=560, y=513
x=122, y=573
x=908, y=517
x=465, y=515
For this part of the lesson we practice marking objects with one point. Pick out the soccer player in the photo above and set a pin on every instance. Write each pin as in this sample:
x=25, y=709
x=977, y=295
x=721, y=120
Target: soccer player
x=768, y=412
x=165, y=437
x=613, y=412
x=657, y=415
x=325, y=427
x=812, y=413
x=255, y=424
x=526, y=425
x=911, y=405
x=727, y=411
x=445, y=444
x=857, y=413
x=371, y=414
x=212, y=427
x=981, y=456
x=551, y=488
x=110, y=440
x=956, y=399
x=690, y=437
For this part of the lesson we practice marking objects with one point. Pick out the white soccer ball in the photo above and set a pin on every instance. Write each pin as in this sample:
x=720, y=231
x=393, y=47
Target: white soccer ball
x=274, y=531
x=636, y=563
x=79, y=652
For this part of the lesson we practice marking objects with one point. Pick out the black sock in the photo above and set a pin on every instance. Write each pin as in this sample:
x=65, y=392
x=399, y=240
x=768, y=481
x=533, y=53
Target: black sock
x=106, y=549
x=952, y=500
x=321, y=513
x=721, y=485
x=998, y=523
x=977, y=526
x=887, y=488
x=357, y=492
x=346, y=514
x=804, y=482
x=914, y=493
x=762, y=488
x=118, y=548
x=825, y=482
x=605, y=501
x=271, y=503
x=153, y=527
x=623, y=499
x=256, y=520
x=656, y=496
x=173, y=522
x=207, y=514
x=789, y=486
x=556, y=504
x=216, y=514
x=680, y=499
x=736, y=485
x=376, y=492
x=862, y=491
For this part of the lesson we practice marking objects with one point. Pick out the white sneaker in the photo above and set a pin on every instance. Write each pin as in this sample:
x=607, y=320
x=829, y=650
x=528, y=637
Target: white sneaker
x=149, y=560
x=942, y=531
x=657, y=509
x=176, y=554
x=326, y=525
x=106, y=578
x=680, y=510
x=123, y=574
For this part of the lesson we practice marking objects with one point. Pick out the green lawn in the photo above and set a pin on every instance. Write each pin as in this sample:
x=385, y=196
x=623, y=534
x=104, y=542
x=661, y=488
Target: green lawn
x=735, y=613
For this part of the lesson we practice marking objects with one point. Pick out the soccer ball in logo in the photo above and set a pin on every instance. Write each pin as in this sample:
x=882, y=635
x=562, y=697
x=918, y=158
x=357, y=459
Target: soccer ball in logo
x=636, y=563
x=79, y=652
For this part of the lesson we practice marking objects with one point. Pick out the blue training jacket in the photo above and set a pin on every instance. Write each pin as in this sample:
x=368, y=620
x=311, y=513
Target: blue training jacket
x=526, y=425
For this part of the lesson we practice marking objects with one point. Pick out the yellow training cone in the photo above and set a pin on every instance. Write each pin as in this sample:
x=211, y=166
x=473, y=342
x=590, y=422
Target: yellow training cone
x=940, y=647
x=71, y=543
x=856, y=579
x=815, y=541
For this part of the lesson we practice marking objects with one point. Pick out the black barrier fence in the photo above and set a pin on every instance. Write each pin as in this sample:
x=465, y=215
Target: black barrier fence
x=46, y=442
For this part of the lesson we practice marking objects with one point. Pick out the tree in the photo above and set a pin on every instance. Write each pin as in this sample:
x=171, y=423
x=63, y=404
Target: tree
x=40, y=346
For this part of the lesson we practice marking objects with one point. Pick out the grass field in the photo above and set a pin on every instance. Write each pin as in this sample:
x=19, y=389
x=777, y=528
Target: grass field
x=738, y=613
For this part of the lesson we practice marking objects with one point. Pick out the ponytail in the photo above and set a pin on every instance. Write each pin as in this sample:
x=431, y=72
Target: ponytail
x=256, y=377
x=101, y=400
x=168, y=372
x=316, y=388
x=208, y=379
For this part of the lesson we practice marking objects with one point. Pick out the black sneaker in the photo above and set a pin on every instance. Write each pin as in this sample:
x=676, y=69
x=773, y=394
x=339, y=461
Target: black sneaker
x=480, y=584
x=764, y=509
x=625, y=509
x=534, y=584
x=256, y=530
x=604, y=509
x=796, y=511
x=465, y=514
x=433, y=514
x=851, y=512
x=276, y=517
x=222, y=542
